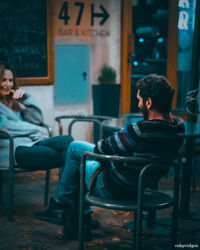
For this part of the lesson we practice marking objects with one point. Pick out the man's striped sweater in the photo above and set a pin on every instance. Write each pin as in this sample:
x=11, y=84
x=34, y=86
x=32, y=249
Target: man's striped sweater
x=152, y=137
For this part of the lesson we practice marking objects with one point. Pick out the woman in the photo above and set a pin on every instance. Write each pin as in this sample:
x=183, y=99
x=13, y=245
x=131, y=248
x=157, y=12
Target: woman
x=22, y=116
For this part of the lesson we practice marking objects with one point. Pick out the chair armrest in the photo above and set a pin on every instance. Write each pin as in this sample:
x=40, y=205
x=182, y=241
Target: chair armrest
x=79, y=118
x=103, y=157
x=5, y=134
x=130, y=159
x=100, y=117
x=133, y=115
x=148, y=165
x=49, y=129
x=75, y=120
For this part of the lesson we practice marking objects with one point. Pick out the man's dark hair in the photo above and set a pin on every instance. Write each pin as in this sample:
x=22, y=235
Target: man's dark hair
x=159, y=89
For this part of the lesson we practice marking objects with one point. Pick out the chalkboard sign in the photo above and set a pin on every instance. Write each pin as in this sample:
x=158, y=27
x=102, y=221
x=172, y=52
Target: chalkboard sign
x=25, y=39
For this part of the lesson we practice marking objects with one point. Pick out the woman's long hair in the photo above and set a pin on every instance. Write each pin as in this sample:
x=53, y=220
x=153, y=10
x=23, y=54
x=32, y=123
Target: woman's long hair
x=9, y=100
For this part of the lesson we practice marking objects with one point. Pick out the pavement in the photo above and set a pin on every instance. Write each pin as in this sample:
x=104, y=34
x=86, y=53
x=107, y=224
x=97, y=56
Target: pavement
x=28, y=233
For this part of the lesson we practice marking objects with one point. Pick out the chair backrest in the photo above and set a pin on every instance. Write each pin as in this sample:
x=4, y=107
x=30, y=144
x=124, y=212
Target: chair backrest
x=149, y=169
x=157, y=168
x=90, y=120
x=179, y=114
x=133, y=117
x=96, y=120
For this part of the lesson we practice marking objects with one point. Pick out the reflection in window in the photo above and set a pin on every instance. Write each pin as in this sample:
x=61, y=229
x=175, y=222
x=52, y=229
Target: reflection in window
x=186, y=20
x=150, y=22
x=150, y=29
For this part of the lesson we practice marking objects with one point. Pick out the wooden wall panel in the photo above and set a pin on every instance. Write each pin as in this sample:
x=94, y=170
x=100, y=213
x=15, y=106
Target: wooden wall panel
x=126, y=54
x=172, y=59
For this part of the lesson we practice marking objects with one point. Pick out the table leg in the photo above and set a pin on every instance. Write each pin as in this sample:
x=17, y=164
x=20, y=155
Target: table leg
x=186, y=178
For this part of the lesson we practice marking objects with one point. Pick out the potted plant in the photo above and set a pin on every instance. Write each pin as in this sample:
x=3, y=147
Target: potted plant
x=106, y=94
x=107, y=75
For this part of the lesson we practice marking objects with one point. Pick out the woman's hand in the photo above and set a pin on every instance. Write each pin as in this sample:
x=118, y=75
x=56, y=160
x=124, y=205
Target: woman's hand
x=17, y=94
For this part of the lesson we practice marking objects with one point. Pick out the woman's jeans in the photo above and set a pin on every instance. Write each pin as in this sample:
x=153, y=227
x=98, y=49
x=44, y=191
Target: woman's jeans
x=45, y=154
x=68, y=186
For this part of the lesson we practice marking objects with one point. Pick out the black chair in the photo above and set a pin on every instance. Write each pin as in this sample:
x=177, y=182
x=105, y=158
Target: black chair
x=11, y=168
x=95, y=119
x=147, y=199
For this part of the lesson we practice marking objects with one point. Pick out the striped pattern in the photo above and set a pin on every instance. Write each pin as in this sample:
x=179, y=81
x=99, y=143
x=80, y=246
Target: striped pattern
x=144, y=137
x=155, y=136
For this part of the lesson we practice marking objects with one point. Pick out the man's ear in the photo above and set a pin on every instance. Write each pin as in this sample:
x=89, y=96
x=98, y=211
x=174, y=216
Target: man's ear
x=148, y=103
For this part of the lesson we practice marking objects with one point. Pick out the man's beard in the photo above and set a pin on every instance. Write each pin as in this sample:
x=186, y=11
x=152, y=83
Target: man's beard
x=145, y=112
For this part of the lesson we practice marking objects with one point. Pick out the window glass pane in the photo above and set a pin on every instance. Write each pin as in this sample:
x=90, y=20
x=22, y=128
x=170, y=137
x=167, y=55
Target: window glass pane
x=186, y=19
x=150, y=29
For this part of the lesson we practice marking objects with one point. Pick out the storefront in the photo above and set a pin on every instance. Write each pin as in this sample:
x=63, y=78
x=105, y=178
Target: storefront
x=134, y=37
x=165, y=42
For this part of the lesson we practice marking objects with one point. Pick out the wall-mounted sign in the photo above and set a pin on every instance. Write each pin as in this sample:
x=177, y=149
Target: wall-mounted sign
x=185, y=12
x=82, y=20
x=185, y=33
x=64, y=13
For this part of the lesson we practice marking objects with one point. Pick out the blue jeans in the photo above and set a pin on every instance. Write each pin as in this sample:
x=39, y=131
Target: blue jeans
x=68, y=186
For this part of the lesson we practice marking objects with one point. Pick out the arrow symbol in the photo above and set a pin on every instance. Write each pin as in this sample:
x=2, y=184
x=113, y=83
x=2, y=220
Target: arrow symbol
x=104, y=15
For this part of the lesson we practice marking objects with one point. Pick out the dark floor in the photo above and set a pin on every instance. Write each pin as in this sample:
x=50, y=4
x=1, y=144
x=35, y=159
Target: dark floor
x=27, y=233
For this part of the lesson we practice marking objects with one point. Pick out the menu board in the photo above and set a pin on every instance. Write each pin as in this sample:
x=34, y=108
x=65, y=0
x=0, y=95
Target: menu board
x=24, y=39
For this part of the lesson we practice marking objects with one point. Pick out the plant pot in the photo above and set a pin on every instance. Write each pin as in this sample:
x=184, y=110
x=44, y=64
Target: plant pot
x=106, y=99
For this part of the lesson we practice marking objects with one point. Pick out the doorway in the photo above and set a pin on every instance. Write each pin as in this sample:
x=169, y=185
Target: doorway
x=149, y=45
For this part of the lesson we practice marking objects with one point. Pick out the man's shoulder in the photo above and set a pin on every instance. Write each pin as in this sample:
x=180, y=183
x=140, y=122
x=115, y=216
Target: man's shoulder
x=159, y=126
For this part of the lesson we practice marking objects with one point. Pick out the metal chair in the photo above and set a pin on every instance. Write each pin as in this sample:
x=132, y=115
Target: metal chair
x=134, y=115
x=147, y=199
x=11, y=168
x=95, y=119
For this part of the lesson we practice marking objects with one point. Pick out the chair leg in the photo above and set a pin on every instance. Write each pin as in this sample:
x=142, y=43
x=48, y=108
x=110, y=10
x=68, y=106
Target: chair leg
x=10, y=198
x=174, y=226
x=1, y=186
x=81, y=205
x=175, y=207
x=194, y=163
x=60, y=173
x=151, y=217
x=134, y=225
x=46, y=193
x=81, y=226
x=138, y=230
x=139, y=215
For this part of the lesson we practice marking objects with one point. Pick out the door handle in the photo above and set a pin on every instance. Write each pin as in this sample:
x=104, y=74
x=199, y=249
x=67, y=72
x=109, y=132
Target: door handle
x=84, y=75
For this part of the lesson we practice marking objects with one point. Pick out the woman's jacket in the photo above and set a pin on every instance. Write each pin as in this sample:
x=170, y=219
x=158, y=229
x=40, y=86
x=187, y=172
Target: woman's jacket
x=24, y=125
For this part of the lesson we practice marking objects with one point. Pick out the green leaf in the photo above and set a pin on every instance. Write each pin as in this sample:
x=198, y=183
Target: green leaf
x=107, y=75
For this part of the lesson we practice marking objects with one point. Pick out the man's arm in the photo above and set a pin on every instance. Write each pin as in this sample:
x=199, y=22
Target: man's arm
x=120, y=143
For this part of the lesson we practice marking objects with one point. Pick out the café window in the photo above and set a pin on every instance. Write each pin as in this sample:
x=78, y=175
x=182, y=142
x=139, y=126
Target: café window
x=186, y=20
x=150, y=30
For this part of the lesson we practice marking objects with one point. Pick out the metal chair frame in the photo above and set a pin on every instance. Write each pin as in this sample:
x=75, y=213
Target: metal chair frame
x=80, y=118
x=139, y=205
x=13, y=168
x=98, y=120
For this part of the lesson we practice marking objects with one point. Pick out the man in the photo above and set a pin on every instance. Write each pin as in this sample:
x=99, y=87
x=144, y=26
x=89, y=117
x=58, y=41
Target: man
x=155, y=97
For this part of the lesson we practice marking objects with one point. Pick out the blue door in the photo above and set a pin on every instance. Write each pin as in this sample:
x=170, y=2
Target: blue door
x=71, y=74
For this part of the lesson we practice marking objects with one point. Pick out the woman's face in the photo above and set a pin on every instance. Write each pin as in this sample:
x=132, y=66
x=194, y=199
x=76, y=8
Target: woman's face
x=7, y=83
